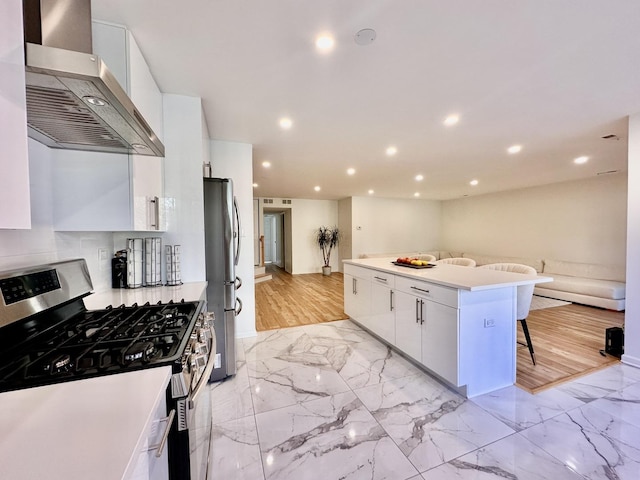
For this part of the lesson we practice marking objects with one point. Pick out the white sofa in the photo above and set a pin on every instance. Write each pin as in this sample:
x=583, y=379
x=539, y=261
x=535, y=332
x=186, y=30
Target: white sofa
x=586, y=283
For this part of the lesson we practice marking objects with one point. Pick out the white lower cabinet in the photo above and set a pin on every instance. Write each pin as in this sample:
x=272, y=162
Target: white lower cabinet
x=382, y=318
x=357, y=298
x=150, y=466
x=408, y=327
x=440, y=340
x=418, y=318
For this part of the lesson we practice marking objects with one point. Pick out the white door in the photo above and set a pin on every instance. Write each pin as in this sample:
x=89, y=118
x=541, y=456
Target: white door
x=269, y=238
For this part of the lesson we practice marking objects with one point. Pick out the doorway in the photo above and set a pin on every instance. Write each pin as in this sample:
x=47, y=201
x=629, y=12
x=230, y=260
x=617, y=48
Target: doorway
x=274, y=238
x=276, y=228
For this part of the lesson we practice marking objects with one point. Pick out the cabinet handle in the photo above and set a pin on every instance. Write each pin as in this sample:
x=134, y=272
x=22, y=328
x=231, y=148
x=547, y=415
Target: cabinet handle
x=421, y=312
x=155, y=222
x=420, y=289
x=355, y=287
x=417, y=310
x=163, y=441
x=391, y=300
x=381, y=279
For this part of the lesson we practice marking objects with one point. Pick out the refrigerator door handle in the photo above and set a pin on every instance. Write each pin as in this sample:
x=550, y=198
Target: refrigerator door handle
x=238, y=282
x=237, y=234
x=238, y=306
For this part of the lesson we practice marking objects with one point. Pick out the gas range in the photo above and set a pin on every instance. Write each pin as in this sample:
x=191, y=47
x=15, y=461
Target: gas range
x=101, y=342
x=48, y=336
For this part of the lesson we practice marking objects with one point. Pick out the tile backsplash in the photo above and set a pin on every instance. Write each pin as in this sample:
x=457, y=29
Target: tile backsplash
x=41, y=244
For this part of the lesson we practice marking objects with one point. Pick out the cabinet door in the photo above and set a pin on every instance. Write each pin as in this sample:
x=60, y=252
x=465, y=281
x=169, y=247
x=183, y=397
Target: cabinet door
x=357, y=296
x=382, y=318
x=408, y=311
x=440, y=340
x=14, y=161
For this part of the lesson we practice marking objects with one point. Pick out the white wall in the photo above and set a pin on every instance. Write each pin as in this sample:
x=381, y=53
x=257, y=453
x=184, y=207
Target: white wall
x=234, y=160
x=306, y=217
x=381, y=225
x=41, y=244
x=632, y=314
x=581, y=221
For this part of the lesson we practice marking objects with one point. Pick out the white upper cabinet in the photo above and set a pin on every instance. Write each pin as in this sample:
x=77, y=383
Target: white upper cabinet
x=114, y=192
x=15, y=209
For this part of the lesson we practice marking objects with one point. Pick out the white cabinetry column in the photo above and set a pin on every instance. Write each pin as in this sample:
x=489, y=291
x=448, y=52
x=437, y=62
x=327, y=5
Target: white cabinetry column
x=15, y=206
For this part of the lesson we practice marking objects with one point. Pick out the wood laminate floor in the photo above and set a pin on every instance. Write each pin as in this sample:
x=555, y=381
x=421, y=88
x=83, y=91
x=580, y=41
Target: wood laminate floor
x=293, y=300
x=567, y=339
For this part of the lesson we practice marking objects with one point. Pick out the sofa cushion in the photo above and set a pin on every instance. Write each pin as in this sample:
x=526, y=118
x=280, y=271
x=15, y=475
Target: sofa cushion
x=585, y=270
x=487, y=259
x=587, y=286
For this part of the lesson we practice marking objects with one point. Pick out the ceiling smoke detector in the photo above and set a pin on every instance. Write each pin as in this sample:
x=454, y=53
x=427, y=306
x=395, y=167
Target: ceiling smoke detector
x=366, y=36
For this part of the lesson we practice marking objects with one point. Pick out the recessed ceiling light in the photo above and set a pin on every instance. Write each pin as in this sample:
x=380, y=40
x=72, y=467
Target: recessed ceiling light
x=266, y=164
x=255, y=185
x=317, y=188
x=514, y=149
x=417, y=194
x=391, y=150
x=581, y=160
x=371, y=192
x=325, y=43
x=419, y=178
x=286, y=123
x=473, y=182
x=351, y=171
x=451, y=120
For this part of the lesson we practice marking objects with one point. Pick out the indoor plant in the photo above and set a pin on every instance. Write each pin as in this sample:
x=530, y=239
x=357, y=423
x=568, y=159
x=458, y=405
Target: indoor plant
x=326, y=239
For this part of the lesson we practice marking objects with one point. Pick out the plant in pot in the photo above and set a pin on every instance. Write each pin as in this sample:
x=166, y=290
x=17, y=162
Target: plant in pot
x=326, y=239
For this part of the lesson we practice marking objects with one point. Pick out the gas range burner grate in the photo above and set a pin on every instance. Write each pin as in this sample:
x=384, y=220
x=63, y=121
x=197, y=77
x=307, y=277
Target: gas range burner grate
x=100, y=342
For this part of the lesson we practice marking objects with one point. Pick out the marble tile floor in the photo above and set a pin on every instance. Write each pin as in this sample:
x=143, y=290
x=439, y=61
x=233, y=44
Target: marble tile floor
x=328, y=401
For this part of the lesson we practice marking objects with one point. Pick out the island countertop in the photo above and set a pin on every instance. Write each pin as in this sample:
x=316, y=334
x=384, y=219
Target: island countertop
x=454, y=276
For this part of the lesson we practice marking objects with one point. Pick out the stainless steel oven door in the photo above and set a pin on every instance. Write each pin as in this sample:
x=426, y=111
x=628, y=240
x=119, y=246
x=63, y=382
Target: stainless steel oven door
x=199, y=416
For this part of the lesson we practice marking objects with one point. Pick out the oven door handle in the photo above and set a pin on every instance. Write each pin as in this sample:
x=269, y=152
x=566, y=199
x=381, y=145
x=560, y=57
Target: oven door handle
x=207, y=371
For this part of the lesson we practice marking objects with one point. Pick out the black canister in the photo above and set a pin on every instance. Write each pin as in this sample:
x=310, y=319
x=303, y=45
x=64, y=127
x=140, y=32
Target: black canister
x=119, y=270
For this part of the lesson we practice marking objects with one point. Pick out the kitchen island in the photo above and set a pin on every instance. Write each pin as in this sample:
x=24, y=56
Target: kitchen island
x=459, y=323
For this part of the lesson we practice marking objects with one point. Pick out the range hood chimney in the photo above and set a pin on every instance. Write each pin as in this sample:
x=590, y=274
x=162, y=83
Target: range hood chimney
x=73, y=101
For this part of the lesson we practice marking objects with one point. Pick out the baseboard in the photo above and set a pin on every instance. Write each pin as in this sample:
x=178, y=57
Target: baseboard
x=629, y=360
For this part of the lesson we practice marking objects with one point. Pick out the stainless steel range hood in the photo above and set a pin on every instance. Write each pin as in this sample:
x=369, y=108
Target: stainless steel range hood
x=73, y=100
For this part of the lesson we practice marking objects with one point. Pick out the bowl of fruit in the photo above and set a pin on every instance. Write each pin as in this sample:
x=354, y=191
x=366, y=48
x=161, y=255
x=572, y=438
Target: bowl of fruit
x=412, y=263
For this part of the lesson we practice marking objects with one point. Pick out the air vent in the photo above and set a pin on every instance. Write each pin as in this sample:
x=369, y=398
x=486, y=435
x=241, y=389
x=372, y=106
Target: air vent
x=608, y=172
x=267, y=200
x=286, y=202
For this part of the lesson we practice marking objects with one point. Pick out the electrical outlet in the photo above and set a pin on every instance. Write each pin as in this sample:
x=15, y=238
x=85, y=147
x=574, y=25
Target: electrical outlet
x=489, y=322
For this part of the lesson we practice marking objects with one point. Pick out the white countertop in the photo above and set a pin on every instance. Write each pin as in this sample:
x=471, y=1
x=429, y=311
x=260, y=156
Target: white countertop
x=190, y=292
x=84, y=429
x=456, y=276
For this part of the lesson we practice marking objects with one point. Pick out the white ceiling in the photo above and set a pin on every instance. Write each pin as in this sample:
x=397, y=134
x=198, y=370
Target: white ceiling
x=551, y=75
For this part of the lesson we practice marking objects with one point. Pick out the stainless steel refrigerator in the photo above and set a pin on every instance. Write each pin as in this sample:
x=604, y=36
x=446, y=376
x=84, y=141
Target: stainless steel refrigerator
x=222, y=250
